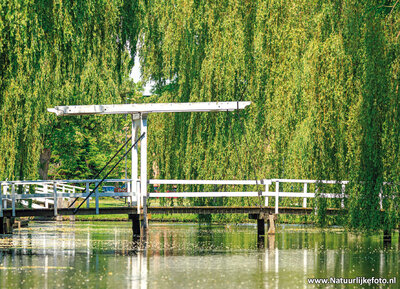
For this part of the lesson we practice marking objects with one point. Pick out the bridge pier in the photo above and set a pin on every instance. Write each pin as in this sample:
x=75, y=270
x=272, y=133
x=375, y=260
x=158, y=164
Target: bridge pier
x=261, y=223
x=271, y=224
x=138, y=224
x=260, y=227
x=261, y=218
x=387, y=236
x=6, y=225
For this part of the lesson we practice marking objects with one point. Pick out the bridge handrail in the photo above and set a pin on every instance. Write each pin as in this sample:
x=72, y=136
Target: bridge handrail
x=207, y=182
x=62, y=181
x=53, y=189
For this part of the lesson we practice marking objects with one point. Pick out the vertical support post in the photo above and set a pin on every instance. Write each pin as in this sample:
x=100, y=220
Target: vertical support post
x=2, y=220
x=135, y=224
x=266, y=191
x=343, y=191
x=271, y=224
x=387, y=236
x=138, y=196
x=260, y=231
x=55, y=198
x=1, y=200
x=276, y=197
x=97, y=198
x=134, y=165
x=87, y=193
x=260, y=226
x=143, y=167
x=5, y=192
x=380, y=198
x=13, y=199
x=305, y=199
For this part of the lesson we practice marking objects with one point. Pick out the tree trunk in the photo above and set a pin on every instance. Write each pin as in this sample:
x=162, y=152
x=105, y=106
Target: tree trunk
x=44, y=160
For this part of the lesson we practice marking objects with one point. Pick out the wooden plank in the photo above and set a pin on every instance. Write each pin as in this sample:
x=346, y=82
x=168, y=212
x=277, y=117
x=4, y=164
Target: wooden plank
x=207, y=182
x=332, y=182
x=170, y=210
x=144, y=108
x=290, y=195
x=70, y=195
x=203, y=194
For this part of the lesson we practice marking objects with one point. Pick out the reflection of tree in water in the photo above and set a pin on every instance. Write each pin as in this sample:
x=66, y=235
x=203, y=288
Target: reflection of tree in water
x=5, y=244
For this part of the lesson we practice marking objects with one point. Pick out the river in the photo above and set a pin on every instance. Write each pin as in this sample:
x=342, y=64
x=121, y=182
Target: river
x=102, y=255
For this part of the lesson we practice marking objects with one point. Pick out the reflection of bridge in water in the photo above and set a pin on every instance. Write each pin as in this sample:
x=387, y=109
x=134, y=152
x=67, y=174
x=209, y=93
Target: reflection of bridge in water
x=78, y=255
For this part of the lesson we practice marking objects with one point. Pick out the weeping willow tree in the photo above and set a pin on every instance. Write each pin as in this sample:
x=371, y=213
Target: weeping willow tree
x=323, y=79
x=61, y=53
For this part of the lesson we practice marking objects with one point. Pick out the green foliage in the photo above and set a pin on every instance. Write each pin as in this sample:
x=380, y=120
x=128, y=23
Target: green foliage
x=59, y=53
x=323, y=78
x=323, y=81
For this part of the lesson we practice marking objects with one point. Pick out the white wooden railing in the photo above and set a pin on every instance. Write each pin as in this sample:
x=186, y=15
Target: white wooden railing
x=47, y=192
x=266, y=193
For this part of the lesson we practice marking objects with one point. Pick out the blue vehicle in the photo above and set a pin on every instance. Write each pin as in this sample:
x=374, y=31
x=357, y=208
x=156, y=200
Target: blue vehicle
x=108, y=188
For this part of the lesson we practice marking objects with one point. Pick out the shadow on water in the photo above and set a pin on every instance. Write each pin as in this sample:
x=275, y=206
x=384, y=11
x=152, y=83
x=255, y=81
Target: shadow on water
x=103, y=255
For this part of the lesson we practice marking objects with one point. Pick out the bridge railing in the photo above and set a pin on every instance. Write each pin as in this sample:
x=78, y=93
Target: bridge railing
x=49, y=192
x=266, y=192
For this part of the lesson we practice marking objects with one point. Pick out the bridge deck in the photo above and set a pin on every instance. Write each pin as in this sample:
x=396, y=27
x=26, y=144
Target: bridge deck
x=168, y=210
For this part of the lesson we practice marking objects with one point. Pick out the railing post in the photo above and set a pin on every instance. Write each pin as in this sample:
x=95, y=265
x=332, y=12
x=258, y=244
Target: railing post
x=276, y=197
x=134, y=165
x=13, y=199
x=138, y=198
x=87, y=192
x=266, y=191
x=1, y=200
x=128, y=189
x=143, y=167
x=343, y=191
x=97, y=199
x=55, y=198
x=305, y=199
x=5, y=193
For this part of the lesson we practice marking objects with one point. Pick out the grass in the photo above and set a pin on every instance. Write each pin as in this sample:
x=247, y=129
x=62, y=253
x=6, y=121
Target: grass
x=104, y=203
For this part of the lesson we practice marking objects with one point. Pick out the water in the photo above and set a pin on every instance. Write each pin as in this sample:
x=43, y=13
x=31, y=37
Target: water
x=101, y=255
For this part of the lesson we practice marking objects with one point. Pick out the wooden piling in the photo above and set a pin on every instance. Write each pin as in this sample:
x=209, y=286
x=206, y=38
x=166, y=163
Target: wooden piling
x=271, y=224
x=387, y=236
x=2, y=225
x=137, y=224
x=260, y=227
x=6, y=225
